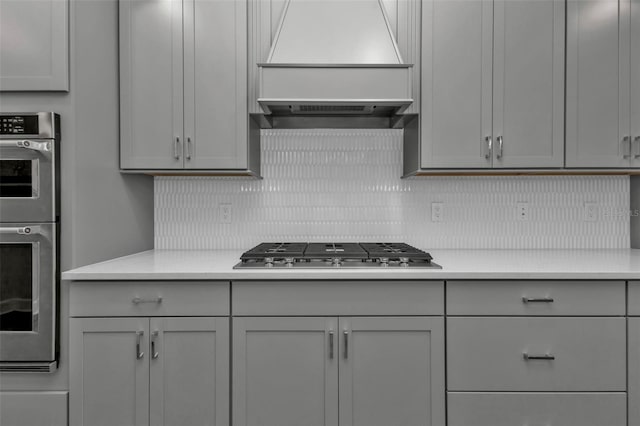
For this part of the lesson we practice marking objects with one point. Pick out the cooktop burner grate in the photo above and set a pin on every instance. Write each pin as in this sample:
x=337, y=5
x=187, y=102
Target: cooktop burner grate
x=336, y=255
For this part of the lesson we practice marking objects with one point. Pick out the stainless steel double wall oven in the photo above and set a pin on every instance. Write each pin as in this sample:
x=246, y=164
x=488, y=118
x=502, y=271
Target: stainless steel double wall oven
x=29, y=236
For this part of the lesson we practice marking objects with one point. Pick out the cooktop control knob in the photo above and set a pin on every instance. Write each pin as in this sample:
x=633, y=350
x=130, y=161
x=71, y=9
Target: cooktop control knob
x=404, y=262
x=336, y=261
x=268, y=262
x=288, y=262
x=384, y=262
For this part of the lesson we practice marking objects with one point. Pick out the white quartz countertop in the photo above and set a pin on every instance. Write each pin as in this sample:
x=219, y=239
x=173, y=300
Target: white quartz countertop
x=456, y=264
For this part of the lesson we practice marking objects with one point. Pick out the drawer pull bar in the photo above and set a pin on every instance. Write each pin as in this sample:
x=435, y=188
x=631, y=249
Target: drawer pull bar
x=537, y=300
x=139, y=353
x=331, y=344
x=138, y=300
x=545, y=357
x=154, y=337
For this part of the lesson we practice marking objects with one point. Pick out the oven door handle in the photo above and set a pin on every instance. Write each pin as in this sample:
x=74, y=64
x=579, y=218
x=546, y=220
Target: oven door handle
x=21, y=230
x=27, y=144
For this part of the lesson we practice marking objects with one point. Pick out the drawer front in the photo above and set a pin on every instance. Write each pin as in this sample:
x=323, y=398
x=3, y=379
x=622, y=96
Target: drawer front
x=551, y=409
x=488, y=354
x=148, y=298
x=33, y=408
x=334, y=297
x=634, y=298
x=531, y=298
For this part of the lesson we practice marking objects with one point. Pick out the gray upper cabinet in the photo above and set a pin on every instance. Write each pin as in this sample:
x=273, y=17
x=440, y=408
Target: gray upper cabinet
x=493, y=84
x=34, y=45
x=635, y=80
x=183, y=68
x=598, y=83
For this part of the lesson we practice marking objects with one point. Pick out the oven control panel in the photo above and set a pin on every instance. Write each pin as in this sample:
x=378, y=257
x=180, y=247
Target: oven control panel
x=19, y=125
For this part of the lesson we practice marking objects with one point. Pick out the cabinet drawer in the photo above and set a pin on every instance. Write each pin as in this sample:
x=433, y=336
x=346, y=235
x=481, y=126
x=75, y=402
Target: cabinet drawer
x=33, y=408
x=338, y=298
x=488, y=354
x=532, y=298
x=136, y=298
x=634, y=298
x=552, y=409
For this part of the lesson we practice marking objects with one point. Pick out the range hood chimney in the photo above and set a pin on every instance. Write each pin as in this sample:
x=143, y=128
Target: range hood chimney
x=334, y=63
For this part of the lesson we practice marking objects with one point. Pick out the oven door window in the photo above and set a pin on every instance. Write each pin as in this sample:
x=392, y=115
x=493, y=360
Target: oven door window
x=18, y=178
x=17, y=295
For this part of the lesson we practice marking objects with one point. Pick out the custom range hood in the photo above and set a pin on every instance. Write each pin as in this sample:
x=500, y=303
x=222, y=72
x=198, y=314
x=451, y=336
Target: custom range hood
x=334, y=63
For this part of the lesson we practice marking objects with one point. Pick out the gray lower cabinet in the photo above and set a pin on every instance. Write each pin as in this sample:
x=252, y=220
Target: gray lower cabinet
x=353, y=371
x=634, y=371
x=599, y=83
x=149, y=353
x=633, y=309
x=183, y=86
x=149, y=371
x=492, y=84
x=537, y=352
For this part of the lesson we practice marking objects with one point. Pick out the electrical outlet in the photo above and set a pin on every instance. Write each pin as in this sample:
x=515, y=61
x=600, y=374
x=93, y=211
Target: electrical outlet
x=437, y=212
x=523, y=211
x=590, y=212
x=226, y=213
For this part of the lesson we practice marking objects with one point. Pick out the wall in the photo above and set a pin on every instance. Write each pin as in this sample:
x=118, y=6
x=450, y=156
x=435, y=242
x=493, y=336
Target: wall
x=104, y=214
x=344, y=185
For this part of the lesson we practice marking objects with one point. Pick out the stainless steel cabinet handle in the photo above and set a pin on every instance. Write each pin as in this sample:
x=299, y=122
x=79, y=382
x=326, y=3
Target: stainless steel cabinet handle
x=636, y=140
x=154, y=337
x=331, y=344
x=28, y=144
x=489, y=141
x=545, y=357
x=21, y=230
x=627, y=140
x=500, y=145
x=176, y=148
x=139, y=353
x=138, y=300
x=189, y=148
x=537, y=300
x=346, y=343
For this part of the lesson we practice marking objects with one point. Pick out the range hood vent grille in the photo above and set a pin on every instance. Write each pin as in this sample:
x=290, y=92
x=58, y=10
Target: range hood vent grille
x=331, y=109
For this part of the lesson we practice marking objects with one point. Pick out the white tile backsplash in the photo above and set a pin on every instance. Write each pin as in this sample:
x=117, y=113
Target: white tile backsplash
x=344, y=185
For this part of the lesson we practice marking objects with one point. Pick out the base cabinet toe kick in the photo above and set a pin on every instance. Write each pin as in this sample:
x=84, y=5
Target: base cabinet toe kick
x=356, y=353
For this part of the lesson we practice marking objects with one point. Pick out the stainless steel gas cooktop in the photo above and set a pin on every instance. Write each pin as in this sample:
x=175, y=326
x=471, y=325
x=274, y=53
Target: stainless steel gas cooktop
x=335, y=255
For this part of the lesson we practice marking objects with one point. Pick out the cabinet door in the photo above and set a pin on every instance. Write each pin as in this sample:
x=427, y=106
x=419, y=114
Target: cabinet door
x=285, y=371
x=634, y=371
x=456, y=83
x=34, y=40
x=151, y=131
x=392, y=371
x=189, y=371
x=598, y=83
x=109, y=381
x=528, y=100
x=635, y=80
x=216, y=127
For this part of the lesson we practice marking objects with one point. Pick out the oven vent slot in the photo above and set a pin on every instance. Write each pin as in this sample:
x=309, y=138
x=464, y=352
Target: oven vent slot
x=28, y=367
